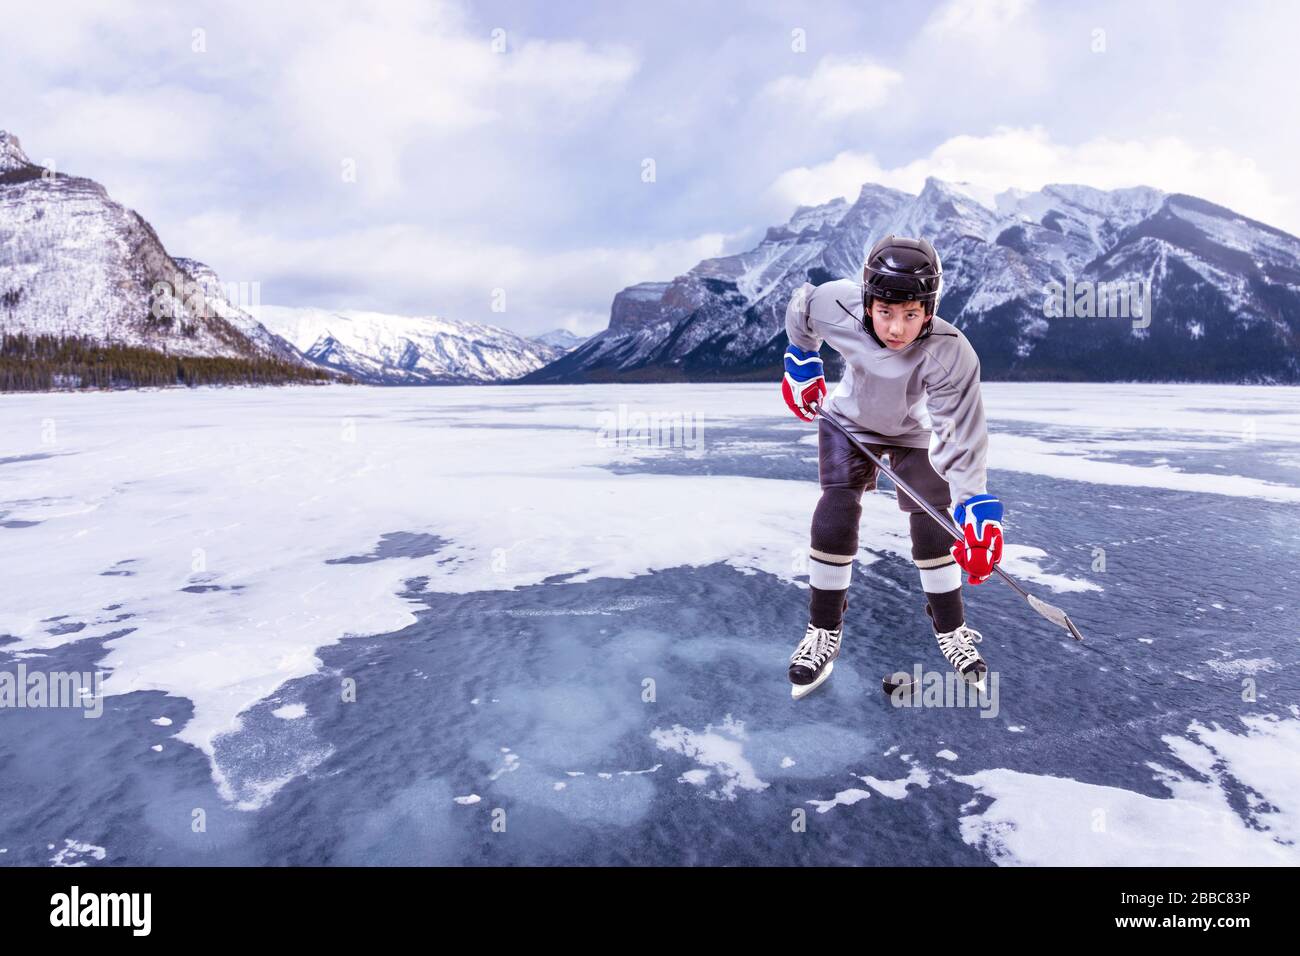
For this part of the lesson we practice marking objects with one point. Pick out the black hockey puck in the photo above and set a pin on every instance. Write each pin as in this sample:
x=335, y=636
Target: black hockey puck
x=900, y=681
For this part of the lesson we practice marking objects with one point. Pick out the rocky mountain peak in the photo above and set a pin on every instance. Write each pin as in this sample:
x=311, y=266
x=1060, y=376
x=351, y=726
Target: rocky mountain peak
x=12, y=156
x=1224, y=289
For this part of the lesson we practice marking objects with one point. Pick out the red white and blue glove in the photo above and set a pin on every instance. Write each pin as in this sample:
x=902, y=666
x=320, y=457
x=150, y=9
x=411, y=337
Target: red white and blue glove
x=980, y=518
x=804, y=381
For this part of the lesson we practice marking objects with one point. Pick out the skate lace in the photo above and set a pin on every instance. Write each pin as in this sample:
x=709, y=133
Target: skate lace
x=815, y=647
x=959, y=645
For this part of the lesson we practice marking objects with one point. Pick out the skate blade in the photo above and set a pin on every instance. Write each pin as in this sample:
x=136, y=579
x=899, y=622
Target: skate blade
x=803, y=690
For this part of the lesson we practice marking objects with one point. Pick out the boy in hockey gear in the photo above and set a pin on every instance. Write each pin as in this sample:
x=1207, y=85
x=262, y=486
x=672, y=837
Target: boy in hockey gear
x=901, y=360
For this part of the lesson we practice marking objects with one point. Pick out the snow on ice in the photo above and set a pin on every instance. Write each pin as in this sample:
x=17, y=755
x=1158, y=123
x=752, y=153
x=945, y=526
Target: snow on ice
x=231, y=528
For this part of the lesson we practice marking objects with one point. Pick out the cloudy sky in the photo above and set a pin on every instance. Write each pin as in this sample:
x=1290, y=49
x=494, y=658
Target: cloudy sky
x=414, y=157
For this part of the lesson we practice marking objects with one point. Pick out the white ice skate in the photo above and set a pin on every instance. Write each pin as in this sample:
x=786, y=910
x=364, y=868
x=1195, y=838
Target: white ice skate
x=814, y=659
x=959, y=648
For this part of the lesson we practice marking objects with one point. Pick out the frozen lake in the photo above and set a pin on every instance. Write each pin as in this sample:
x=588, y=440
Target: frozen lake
x=491, y=626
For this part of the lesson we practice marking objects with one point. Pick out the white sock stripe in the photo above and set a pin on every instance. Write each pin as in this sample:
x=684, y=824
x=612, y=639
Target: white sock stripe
x=830, y=577
x=934, y=562
x=940, y=580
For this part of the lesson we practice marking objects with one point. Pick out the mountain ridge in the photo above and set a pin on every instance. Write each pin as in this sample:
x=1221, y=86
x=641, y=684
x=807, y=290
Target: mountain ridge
x=1225, y=289
x=76, y=264
x=384, y=349
x=79, y=268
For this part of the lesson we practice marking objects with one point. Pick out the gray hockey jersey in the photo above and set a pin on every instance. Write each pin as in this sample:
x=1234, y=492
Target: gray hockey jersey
x=925, y=395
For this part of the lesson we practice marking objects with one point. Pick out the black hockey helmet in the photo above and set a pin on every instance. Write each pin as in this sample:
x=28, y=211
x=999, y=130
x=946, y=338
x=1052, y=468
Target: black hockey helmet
x=899, y=269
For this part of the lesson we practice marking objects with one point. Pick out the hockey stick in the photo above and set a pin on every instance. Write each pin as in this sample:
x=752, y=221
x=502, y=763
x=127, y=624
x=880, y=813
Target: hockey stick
x=1049, y=611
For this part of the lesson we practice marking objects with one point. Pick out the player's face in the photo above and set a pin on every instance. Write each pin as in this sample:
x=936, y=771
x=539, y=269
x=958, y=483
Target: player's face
x=897, y=324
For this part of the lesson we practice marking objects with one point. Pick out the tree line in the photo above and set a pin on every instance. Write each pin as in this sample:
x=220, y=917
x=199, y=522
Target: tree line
x=44, y=362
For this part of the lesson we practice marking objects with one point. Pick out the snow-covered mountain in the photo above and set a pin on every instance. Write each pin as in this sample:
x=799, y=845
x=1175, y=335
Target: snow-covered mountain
x=383, y=349
x=75, y=263
x=1225, y=290
x=560, y=339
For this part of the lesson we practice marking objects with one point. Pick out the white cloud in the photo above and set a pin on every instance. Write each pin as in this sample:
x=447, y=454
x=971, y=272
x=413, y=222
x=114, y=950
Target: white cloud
x=975, y=57
x=981, y=20
x=382, y=84
x=841, y=176
x=67, y=36
x=368, y=89
x=837, y=88
x=435, y=273
x=160, y=125
x=520, y=158
x=1030, y=159
x=567, y=73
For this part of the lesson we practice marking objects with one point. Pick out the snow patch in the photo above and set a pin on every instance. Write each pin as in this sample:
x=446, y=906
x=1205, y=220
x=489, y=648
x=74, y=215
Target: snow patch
x=845, y=798
x=75, y=853
x=897, y=789
x=718, y=749
x=1040, y=820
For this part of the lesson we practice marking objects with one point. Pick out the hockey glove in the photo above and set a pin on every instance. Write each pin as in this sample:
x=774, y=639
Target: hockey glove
x=804, y=381
x=980, y=519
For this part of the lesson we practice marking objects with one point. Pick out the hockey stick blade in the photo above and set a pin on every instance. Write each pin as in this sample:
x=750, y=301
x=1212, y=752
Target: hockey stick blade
x=1055, y=615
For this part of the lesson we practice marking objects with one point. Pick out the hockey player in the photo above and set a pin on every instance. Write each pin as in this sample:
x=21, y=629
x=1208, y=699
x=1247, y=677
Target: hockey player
x=900, y=360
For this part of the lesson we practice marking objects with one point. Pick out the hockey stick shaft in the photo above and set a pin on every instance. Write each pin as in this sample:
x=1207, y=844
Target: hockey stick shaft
x=1049, y=611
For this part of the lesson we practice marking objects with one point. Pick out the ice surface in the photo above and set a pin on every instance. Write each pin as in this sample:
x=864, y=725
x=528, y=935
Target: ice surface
x=245, y=498
x=223, y=542
x=1039, y=820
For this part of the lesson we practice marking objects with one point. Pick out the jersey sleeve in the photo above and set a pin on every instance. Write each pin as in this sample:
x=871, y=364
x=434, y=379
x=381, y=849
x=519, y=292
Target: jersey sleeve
x=798, y=320
x=959, y=441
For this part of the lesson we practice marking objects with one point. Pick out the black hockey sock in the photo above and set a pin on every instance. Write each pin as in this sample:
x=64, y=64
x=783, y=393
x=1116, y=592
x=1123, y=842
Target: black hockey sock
x=830, y=559
x=826, y=608
x=940, y=573
x=945, y=611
